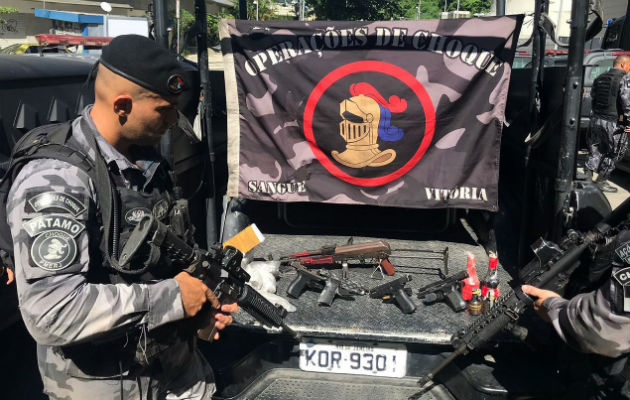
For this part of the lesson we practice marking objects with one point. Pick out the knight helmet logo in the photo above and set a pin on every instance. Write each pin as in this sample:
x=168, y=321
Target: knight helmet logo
x=366, y=117
x=369, y=123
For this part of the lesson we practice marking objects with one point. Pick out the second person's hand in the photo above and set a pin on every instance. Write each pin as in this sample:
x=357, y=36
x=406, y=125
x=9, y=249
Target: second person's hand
x=541, y=295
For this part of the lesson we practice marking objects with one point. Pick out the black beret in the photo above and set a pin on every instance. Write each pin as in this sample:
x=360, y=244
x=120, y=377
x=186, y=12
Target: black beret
x=145, y=62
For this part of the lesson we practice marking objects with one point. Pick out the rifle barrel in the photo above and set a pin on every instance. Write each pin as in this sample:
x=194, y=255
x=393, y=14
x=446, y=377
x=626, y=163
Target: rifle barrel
x=421, y=251
x=418, y=257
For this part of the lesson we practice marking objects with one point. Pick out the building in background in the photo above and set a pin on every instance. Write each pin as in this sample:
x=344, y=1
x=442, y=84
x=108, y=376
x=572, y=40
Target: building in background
x=560, y=14
x=455, y=14
x=81, y=17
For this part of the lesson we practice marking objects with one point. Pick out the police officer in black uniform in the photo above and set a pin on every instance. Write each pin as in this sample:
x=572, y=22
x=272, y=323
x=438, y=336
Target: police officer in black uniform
x=610, y=99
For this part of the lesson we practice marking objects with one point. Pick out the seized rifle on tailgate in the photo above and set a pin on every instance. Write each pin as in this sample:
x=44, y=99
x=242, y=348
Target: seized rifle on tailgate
x=448, y=289
x=220, y=270
x=551, y=260
x=377, y=250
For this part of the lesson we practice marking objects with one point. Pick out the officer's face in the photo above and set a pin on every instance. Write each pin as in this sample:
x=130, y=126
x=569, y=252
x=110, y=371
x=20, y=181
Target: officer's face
x=150, y=117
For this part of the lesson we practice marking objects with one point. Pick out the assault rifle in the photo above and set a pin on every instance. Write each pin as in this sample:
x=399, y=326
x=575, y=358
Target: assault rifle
x=220, y=270
x=551, y=260
x=377, y=250
x=448, y=289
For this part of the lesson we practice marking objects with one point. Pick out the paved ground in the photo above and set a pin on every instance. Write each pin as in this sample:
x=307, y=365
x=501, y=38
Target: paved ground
x=620, y=180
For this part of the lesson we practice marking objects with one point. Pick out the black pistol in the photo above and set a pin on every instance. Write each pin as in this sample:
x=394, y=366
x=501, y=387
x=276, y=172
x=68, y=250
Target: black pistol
x=395, y=291
x=447, y=290
x=328, y=287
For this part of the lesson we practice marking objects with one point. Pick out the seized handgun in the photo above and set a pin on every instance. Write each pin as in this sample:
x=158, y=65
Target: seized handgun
x=328, y=286
x=377, y=250
x=395, y=291
x=447, y=289
x=220, y=270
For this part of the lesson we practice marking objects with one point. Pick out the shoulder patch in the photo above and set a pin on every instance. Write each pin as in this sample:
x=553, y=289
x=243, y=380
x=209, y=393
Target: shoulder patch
x=623, y=276
x=135, y=215
x=54, y=247
x=54, y=250
x=57, y=222
x=160, y=209
x=56, y=200
x=623, y=251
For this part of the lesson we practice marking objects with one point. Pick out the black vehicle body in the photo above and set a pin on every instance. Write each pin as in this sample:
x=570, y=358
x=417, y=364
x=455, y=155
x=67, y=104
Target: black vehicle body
x=615, y=36
x=252, y=362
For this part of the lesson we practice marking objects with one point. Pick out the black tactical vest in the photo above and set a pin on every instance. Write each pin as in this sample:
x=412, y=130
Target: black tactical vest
x=604, y=93
x=132, y=206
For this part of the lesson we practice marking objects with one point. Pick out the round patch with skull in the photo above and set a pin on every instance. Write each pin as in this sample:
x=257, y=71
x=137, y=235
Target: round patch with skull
x=53, y=250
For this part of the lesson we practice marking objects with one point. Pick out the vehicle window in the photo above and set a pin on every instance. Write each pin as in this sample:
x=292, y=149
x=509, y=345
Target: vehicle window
x=51, y=50
x=521, y=62
x=613, y=34
x=526, y=62
x=593, y=72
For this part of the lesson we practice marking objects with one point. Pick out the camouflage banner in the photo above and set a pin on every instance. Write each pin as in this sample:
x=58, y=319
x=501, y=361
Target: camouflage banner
x=396, y=113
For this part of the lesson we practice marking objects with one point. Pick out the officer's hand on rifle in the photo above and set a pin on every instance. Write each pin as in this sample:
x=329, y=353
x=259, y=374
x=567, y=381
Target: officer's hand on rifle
x=194, y=293
x=541, y=295
x=224, y=317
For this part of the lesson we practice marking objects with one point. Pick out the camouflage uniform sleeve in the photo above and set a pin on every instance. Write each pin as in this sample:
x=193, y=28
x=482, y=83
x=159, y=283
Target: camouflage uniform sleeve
x=624, y=98
x=48, y=211
x=587, y=323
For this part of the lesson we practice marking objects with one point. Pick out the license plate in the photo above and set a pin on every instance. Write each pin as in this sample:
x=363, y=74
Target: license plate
x=387, y=361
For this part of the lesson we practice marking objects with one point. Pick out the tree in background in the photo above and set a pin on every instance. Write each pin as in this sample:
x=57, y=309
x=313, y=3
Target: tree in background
x=266, y=11
x=188, y=34
x=474, y=6
x=186, y=19
x=353, y=10
x=213, y=25
x=350, y=10
x=430, y=9
x=4, y=23
x=372, y=10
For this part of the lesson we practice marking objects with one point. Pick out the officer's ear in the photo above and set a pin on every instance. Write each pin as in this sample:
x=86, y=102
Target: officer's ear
x=122, y=105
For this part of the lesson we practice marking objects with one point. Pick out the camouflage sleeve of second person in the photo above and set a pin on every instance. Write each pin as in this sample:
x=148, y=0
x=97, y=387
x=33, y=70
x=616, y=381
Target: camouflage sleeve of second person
x=624, y=98
x=588, y=323
x=49, y=208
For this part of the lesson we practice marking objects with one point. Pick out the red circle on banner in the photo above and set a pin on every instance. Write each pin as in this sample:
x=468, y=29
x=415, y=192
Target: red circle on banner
x=383, y=68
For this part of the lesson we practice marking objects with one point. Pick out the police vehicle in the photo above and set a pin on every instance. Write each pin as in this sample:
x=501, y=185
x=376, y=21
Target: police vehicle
x=356, y=348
